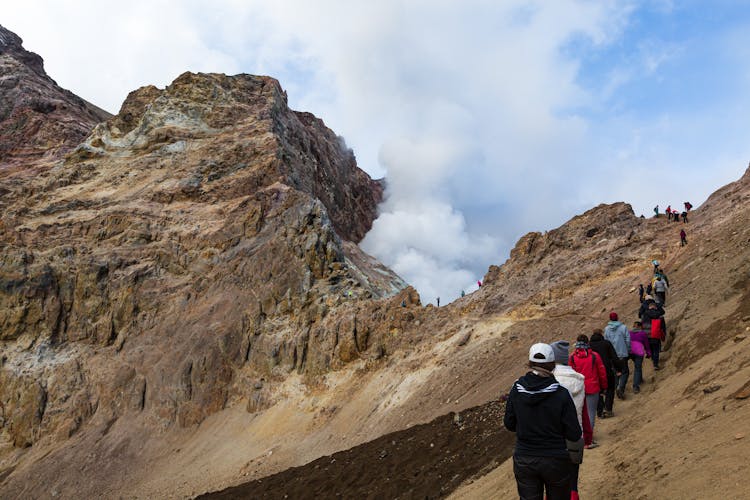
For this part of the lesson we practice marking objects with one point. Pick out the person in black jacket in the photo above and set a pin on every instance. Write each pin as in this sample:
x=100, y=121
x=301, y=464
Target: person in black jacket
x=606, y=351
x=542, y=414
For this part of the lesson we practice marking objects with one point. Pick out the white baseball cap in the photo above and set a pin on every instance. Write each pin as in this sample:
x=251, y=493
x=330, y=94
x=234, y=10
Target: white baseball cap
x=542, y=353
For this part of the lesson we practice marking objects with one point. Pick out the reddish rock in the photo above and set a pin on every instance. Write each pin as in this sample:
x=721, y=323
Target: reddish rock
x=38, y=119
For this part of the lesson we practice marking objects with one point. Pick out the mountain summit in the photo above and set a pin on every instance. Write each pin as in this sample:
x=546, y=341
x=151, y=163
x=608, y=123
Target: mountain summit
x=37, y=118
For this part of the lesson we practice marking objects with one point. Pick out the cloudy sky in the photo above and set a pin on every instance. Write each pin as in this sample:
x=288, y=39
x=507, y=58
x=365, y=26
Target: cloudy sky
x=489, y=118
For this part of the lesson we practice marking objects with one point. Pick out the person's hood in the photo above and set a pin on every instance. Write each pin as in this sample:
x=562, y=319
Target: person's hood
x=582, y=353
x=570, y=379
x=653, y=313
x=535, y=389
x=614, y=324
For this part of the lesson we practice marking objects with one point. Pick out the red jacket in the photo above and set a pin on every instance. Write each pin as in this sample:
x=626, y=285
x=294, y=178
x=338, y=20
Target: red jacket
x=589, y=364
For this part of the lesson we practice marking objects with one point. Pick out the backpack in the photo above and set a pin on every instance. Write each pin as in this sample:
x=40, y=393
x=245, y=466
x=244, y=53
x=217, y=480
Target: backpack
x=657, y=332
x=593, y=360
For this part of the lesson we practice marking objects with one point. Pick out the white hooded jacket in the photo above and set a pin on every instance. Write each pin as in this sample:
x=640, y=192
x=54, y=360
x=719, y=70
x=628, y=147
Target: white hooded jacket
x=573, y=382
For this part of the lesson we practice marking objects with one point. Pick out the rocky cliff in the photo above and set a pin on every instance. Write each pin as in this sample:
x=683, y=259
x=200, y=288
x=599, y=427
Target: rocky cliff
x=187, y=255
x=38, y=119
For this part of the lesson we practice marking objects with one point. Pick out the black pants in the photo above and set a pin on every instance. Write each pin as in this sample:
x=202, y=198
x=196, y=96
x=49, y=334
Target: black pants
x=655, y=345
x=534, y=474
x=608, y=397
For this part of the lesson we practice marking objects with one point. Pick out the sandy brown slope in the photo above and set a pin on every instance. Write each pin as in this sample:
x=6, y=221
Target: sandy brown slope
x=686, y=434
x=659, y=444
x=467, y=353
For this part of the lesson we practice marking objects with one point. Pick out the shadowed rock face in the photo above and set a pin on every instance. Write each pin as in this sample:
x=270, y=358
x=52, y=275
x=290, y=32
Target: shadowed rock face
x=201, y=240
x=38, y=119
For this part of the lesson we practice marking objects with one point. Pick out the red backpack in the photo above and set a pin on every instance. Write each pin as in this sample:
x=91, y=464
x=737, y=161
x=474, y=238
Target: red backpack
x=657, y=332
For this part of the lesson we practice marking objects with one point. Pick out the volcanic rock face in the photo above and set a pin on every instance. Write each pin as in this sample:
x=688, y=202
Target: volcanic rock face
x=196, y=243
x=37, y=118
x=566, y=266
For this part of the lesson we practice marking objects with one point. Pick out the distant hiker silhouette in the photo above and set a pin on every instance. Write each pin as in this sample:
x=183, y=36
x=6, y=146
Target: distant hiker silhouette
x=641, y=292
x=438, y=301
x=688, y=206
x=683, y=238
x=463, y=294
x=542, y=414
x=669, y=212
x=684, y=217
x=656, y=211
x=479, y=284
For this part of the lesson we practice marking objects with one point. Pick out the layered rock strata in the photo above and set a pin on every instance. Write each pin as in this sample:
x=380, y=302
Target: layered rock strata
x=191, y=252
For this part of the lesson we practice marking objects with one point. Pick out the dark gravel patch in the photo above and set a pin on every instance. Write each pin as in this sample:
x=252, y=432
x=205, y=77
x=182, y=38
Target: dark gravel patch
x=425, y=461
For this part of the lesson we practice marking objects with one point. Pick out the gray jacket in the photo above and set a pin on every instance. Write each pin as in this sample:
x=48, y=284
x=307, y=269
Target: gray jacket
x=619, y=336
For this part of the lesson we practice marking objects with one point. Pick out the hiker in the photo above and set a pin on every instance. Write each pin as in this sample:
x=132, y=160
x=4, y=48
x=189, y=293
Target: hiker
x=574, y=383
x=684, y=217
x=647, y=300
x=656, y=211
x=463, y=294
x=438, y=301
x=617, y=333
x=641, y=292
x=669, y=212
x=543, y=415
x=479, y=284
x=639, y=348
x=656, y=265
x=590, y=365
x=656, y=328
x=683, y=238
x=660, y=289
x=663, y=275
x=688, y=206
x=611, y=361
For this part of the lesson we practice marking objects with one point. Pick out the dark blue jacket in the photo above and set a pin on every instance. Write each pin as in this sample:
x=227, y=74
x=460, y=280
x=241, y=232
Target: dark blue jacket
x=542, y=414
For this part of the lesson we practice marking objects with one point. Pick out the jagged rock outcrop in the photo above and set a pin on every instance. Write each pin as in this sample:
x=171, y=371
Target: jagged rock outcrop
x=568, y=261
x=38, y=119
x=199, y=241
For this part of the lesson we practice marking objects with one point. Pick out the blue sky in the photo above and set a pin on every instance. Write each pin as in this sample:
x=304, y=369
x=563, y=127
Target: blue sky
x=489, y=119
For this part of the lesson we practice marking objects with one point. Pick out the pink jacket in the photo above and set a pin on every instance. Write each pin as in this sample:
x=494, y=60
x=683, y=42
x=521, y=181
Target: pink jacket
x=642, y=337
